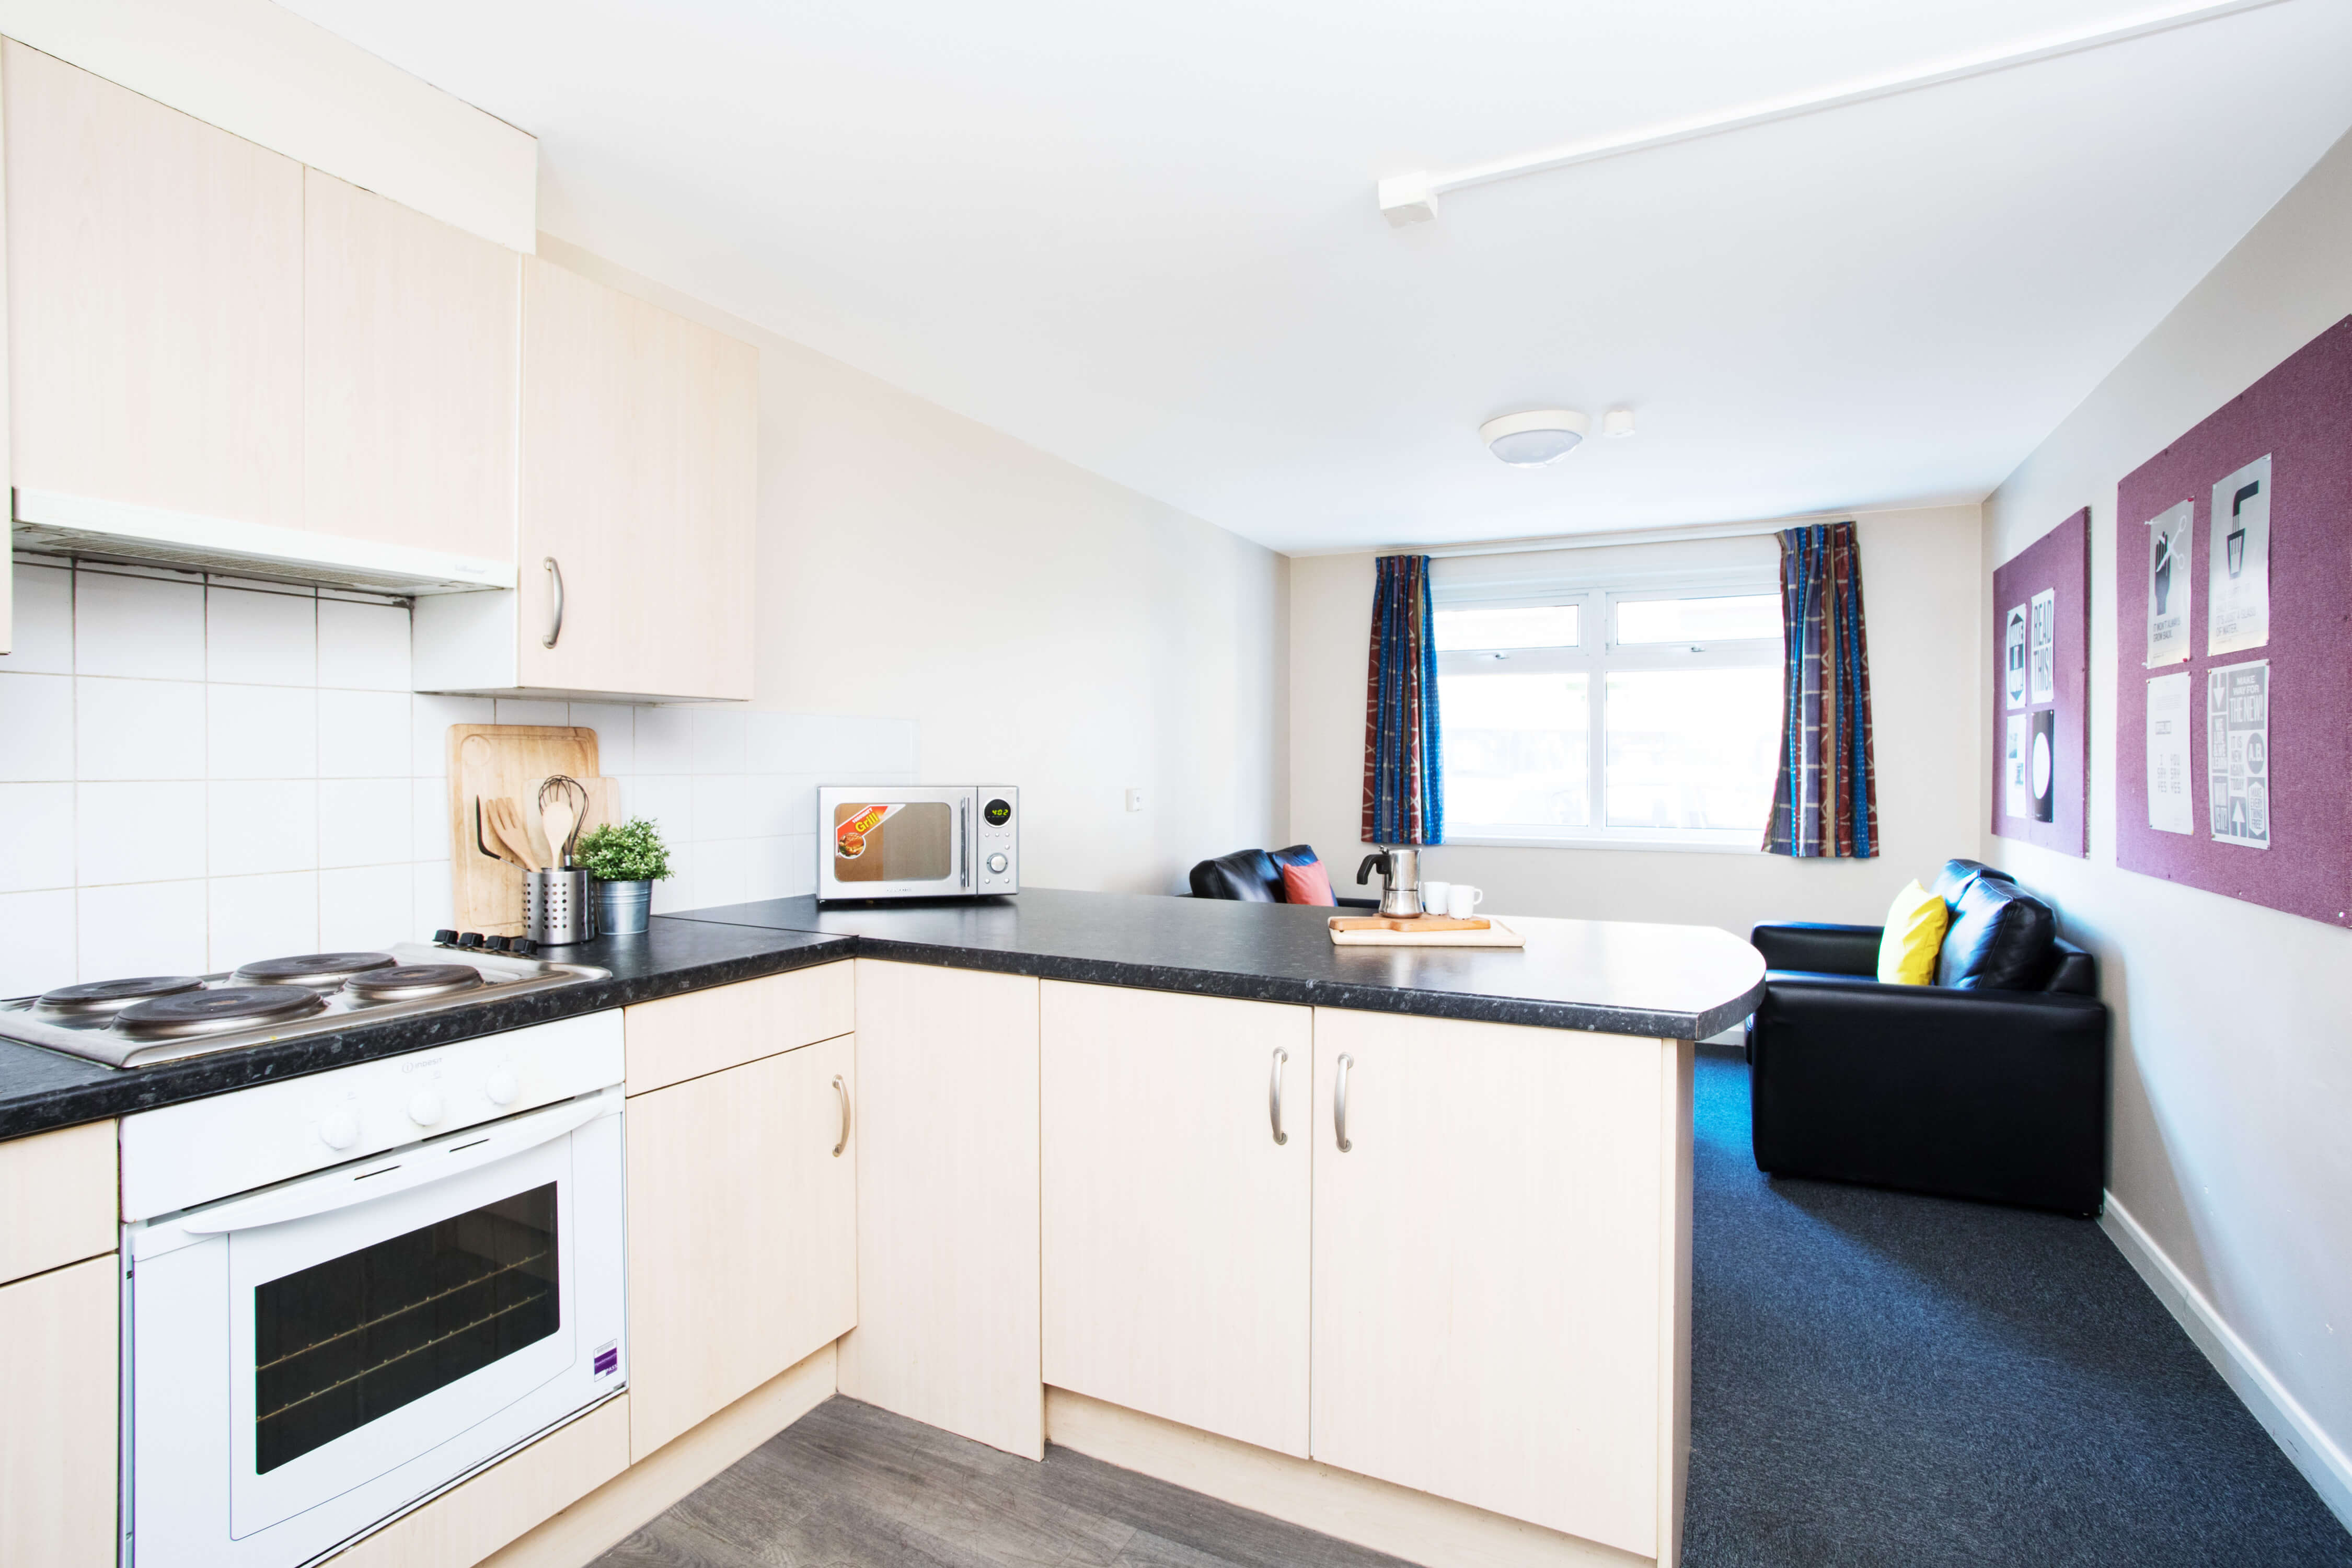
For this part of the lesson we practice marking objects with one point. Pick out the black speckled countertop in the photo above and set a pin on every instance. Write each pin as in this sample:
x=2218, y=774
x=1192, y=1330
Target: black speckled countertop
x=40, y=1089
x=1613, y=977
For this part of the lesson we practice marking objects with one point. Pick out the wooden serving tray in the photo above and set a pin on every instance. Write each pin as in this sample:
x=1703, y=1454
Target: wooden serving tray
x=1421, y=930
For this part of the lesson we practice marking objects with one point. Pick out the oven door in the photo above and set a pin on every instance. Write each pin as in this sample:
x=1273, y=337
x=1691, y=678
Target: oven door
x=894, y=841
x=381, y=1329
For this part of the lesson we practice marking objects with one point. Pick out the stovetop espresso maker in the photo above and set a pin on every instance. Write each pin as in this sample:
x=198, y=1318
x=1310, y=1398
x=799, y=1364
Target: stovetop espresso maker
x=1399, y=870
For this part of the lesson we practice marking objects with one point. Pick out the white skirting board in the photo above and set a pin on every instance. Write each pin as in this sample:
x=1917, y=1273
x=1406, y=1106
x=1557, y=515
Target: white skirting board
x=2314, y=1452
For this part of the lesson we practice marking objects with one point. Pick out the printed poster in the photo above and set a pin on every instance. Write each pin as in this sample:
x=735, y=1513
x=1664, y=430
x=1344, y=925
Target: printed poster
x=2170, y=808
x=2044, y=765
x=2013, y=658
x=2238, y=753
x=2238, y=606
x=2017, y=795
x=2046, y=646
x=2169, y=581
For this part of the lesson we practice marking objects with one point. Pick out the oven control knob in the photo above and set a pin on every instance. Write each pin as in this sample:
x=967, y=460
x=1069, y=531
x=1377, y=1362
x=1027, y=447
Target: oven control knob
x=997, y=862
x=424, y=1106
x=502, y=1088
x=339, y=1129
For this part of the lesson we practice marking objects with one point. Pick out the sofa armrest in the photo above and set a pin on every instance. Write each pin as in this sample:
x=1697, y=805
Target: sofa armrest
x=1360, y=904
x=1823, y=949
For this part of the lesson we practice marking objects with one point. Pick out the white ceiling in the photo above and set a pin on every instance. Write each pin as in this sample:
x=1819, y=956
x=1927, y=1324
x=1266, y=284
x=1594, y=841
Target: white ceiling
x=1145, y=238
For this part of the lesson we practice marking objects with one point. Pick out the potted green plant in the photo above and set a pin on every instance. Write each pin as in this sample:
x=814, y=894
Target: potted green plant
x=626, y=859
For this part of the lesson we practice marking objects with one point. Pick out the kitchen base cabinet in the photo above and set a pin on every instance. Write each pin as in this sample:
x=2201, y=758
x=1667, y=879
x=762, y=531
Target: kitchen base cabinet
x=1176, y=1236
x=743, y=1232
x=1500, y=1248
x=947, y=1202
x=58, y=1449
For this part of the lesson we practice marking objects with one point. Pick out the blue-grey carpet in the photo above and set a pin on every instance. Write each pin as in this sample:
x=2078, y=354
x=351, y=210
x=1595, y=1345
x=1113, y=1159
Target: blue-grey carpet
x=1883, y=1379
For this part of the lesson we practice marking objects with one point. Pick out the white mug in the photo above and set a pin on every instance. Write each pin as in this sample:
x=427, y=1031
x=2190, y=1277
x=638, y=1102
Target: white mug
x=1462, y=901
x=1432, y=897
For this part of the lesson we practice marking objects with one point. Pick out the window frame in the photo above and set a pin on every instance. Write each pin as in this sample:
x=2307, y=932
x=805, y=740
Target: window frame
x=1597, y=609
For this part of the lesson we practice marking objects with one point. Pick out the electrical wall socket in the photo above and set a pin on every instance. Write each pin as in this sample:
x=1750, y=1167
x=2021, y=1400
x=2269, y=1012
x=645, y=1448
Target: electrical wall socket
x=1134, y=799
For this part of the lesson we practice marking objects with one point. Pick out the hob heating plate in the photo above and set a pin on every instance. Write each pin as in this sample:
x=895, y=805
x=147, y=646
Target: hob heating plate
x=164, y=1017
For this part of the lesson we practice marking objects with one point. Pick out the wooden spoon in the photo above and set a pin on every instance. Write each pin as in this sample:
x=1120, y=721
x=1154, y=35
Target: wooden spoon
x=557, y=816
x=506, y=824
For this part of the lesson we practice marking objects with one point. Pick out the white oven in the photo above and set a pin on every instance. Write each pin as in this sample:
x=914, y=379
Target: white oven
x=310, y=1359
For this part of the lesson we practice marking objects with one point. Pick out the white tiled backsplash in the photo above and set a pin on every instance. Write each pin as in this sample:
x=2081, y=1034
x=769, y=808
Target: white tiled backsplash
x=198, y=771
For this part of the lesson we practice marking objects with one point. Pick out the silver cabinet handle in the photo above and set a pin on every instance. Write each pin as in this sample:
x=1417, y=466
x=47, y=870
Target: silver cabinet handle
x=555, y=607
x=842, y=1090
x=1273, y=1096
x=1339, y=1103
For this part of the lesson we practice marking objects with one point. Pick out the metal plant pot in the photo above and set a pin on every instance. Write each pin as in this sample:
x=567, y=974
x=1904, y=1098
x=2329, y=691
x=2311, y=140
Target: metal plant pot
x=622, y=907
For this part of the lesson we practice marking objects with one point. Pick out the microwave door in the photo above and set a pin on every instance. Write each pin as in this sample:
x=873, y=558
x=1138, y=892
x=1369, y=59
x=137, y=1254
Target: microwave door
x=894, y=843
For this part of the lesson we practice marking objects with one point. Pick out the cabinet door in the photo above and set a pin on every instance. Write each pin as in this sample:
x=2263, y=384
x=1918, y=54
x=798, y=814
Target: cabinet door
x=58, y=1453
x=947, y=1202
x=1176, y=1234
x=742, y=1233
x=154, y=301
x=1494, y=1264
x=411, y=346
x=639, y=455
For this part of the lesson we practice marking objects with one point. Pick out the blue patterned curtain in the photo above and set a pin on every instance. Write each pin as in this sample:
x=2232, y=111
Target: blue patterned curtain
x=1826, y=802
x=1404, y=792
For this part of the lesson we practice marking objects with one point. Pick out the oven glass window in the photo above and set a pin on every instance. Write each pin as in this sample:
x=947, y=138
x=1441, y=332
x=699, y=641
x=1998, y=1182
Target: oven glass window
x=896, y=842
x=351, y=1339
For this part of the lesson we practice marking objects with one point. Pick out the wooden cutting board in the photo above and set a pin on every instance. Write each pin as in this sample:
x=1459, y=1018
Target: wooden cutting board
x=510, y=760
x=1422, y=930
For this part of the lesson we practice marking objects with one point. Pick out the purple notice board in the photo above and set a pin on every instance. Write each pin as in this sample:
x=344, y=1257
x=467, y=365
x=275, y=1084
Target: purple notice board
x=2048, y=804
x=2300, y=417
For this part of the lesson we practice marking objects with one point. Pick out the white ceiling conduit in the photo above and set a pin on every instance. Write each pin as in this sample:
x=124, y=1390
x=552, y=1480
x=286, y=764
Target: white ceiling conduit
x=1413, y=198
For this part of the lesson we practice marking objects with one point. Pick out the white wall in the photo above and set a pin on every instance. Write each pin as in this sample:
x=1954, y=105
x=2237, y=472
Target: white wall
x=1923, y=599
x=2232, y=1075
x=1043, y=627
x=198, y=771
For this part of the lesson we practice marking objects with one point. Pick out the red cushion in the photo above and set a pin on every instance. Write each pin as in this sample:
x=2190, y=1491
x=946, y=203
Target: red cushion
x=1308, y=884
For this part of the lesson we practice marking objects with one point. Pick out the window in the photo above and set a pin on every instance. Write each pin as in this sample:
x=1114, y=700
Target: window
x=1646, y=715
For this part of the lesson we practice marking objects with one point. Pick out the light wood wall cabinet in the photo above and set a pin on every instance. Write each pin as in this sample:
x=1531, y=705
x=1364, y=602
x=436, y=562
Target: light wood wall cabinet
x=742, y=1204
x=1497, y=1253
x=947, y=1202
x=411, y=349
x=640, y=433
x=57, y=1440
x=154, y=301
x=1176, y=1227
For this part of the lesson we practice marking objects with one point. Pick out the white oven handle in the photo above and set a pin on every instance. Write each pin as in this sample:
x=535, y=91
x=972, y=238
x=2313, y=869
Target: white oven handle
x=467, y=1151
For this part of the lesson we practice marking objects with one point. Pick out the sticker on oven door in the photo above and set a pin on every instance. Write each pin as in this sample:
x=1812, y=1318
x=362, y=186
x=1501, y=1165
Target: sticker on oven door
x=853, y=824
x=608, y=1358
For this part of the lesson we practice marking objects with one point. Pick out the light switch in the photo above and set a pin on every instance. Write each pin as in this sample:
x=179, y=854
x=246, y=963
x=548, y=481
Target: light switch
x=1134, y=799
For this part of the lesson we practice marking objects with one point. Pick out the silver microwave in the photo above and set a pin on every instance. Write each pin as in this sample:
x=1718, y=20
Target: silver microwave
x=917, y=841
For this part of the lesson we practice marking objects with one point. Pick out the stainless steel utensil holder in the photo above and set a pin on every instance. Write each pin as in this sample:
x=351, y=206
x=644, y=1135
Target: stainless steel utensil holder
x=559, y=908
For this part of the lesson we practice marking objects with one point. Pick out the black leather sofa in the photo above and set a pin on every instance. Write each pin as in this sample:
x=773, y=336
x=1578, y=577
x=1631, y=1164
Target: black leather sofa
x=1990, y=1084
x=1254, y=877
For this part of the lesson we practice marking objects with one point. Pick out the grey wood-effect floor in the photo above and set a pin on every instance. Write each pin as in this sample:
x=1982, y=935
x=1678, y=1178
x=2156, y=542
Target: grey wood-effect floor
x=849, y=1486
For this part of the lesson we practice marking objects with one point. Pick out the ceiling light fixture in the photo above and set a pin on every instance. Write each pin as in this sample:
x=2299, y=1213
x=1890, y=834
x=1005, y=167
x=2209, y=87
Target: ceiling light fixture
x=1540, y=435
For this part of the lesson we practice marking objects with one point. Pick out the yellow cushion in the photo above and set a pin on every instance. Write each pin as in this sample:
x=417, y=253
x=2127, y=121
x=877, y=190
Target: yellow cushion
x=1915, y=931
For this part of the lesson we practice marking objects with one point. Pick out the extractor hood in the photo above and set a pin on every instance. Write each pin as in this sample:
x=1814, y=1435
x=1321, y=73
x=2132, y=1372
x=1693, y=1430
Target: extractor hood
x=151, y=536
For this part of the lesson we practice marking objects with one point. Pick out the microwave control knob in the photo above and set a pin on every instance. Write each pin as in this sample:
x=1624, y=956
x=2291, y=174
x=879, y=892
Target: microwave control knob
x=339, y=1129
x=997, y=862
x=424, y=1106
x=501, y=1089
